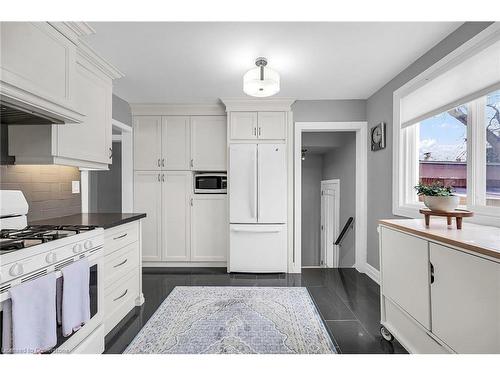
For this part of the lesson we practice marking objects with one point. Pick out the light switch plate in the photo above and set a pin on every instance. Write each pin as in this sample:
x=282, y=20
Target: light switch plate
x=75, y=187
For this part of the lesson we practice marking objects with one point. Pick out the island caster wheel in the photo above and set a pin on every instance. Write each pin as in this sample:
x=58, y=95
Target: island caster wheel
x=386, y=334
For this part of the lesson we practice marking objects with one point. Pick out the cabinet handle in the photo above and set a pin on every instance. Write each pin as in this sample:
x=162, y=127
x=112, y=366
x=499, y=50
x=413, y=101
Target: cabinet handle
x=159, y=163
x=123, y=295
x=110, y=153
x=163, y=178
x=191, y=202
x=432, y=272
x=120, y=264
x=254, y=131
x=159, y=177
x=123, y=235
x=162, y=162
x=260, y=130
x=192, y=163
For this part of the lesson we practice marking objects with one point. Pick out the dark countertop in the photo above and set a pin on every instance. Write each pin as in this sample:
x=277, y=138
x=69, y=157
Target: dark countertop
x=103, y=220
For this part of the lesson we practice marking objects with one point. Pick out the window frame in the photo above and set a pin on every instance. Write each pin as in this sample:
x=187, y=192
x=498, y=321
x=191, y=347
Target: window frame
x=405, y=146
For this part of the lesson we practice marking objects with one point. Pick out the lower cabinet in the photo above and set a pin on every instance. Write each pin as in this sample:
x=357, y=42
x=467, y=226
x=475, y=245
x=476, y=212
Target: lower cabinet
x=438, y=299
x=180, y=226
x=122, y=272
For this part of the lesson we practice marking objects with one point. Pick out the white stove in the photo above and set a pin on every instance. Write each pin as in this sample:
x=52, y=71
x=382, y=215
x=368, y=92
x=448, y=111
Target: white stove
x=31, y=251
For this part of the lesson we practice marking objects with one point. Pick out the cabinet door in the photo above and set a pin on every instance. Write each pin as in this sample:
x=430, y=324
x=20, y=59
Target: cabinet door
x=209, y=143
x=465, y=298
x=243, y=125
x=209, y=228
x=177, y=188
x=175, y=143
x=91, y=139
x=147, y=199
x=147, y=142
x=272, y=183
x=271, y=125
x=406, y=273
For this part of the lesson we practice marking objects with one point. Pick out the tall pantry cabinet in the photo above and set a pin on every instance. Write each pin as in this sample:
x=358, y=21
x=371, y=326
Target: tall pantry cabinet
x=180, y=227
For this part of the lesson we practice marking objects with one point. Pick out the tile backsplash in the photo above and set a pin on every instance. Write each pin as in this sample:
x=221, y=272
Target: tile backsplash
x=47, y=188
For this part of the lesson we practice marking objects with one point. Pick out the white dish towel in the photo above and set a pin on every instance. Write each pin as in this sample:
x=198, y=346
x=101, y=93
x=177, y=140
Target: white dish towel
x=75, y=296
x=29, y=317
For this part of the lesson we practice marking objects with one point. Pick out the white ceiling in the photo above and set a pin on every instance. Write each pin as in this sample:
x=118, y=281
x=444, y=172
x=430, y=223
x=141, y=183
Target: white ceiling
x=172, y=62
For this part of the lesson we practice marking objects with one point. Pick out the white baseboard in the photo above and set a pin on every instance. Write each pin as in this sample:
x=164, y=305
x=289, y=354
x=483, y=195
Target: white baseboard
x=184, y=264
x=373, y=273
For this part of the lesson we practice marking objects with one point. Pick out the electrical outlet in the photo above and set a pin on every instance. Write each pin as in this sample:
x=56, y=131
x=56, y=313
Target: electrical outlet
x=75, y=187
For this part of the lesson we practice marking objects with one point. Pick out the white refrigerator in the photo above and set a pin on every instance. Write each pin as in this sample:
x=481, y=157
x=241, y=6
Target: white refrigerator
x=257, y=208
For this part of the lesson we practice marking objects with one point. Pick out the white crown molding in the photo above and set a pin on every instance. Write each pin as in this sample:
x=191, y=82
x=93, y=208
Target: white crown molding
x=257, y=104
x=85, y=51
x=158, y=109
x=73, y=30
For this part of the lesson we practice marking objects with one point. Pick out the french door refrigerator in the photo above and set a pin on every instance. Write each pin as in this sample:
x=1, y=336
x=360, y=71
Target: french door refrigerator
x=257, y=208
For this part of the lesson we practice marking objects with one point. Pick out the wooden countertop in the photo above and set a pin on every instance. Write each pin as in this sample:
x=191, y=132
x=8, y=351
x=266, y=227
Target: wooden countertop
x=476, y=238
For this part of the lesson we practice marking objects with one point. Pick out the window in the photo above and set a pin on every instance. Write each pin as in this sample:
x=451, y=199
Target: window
x=492, y=128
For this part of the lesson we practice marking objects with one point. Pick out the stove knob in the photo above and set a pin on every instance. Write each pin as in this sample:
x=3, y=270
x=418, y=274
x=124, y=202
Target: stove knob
x=16, y=269
x=77, y=248
x=87, y=245
x=51, y=258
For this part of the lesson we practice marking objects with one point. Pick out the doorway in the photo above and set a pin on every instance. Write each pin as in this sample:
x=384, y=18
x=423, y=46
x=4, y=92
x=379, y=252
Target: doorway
x=330, y=215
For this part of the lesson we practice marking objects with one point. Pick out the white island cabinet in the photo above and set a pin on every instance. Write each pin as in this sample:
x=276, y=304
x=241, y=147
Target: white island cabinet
x=440, y=287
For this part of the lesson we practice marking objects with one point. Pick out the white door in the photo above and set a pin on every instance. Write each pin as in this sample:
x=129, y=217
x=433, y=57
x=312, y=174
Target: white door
x=175, y=143
x=465, y=295
x=147, y=142
x=272, y=192
x=209, y=228
x=176, y=195
x=147, y=199
x=258, y=248
x=243, y=125
x=330, y=198
x=406, y=273
x=209, y=143
x=243, y=183
x=271, y=125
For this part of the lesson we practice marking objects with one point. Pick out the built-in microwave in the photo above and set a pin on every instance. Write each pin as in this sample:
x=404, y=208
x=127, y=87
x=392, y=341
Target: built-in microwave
x=210, y=183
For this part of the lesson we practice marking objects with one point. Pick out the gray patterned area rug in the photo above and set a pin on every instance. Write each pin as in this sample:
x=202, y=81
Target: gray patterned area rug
x=196, y=320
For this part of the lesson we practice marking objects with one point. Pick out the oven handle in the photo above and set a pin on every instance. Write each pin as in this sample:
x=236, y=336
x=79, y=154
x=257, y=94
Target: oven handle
x=123, y=295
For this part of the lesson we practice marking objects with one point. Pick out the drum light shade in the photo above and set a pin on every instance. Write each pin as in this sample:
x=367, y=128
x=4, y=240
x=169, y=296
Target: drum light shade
x=261, y=81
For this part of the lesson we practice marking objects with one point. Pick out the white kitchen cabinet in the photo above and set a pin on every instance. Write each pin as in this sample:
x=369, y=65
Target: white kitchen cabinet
x=37, y=69
x=209, y=228
x=465, y=295
x=271, y=125
x=243, y=125
x=147, y=142
x=177, y=187
x=175, y=147
x=209, y=143
x=148, y=199
x=406, y=276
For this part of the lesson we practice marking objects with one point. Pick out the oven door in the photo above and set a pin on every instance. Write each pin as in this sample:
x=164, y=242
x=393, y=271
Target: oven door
x=210, y=184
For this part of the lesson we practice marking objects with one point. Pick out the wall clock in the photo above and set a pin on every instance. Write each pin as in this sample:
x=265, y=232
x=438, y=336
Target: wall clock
x=377, y=135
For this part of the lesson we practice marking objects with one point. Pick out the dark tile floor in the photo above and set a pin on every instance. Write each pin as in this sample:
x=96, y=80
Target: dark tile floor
x=347, y=300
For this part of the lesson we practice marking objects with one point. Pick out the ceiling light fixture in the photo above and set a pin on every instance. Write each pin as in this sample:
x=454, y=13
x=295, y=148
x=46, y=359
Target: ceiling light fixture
x=261, y=81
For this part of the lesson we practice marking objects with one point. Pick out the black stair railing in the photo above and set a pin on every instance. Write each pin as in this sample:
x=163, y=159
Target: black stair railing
x=347, y=226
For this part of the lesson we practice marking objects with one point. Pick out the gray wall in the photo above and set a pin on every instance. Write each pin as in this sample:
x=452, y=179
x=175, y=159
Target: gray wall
x=329, y=110
x=340, y=163
x=312, y=171
x=121, y=110
x=379, y=108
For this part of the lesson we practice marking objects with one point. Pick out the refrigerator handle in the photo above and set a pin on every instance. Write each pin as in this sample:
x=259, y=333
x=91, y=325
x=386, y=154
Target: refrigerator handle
x=254, y=193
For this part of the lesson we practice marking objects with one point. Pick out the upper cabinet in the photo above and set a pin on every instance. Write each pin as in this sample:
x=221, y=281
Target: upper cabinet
x=81, y=79
x=38, y=69
x=180, y=143
x=257, y=126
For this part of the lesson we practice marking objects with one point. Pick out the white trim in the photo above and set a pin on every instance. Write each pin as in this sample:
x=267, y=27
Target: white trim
x=84, y=190
x=361, y=184
x=88, y=53
x=336, y=229
x=116, y=138
x=372, y=273
x=256, y=104
x=182, y=264
x=156, y=109
x=127, y=171
x=120, y=125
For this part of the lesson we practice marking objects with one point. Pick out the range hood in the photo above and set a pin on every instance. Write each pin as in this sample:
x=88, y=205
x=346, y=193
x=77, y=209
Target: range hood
x=11, y=114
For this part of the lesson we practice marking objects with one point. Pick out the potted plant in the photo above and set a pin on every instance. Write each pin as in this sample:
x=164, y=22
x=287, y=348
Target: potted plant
x=438, y=197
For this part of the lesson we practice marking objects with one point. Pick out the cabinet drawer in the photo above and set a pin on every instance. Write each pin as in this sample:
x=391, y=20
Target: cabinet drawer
x=120, y=299
x=409, y=333
x=120, y=236
x=119, y=263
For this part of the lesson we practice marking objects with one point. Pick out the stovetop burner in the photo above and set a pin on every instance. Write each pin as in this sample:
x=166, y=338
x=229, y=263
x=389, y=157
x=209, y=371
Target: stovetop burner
x=16, y=239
